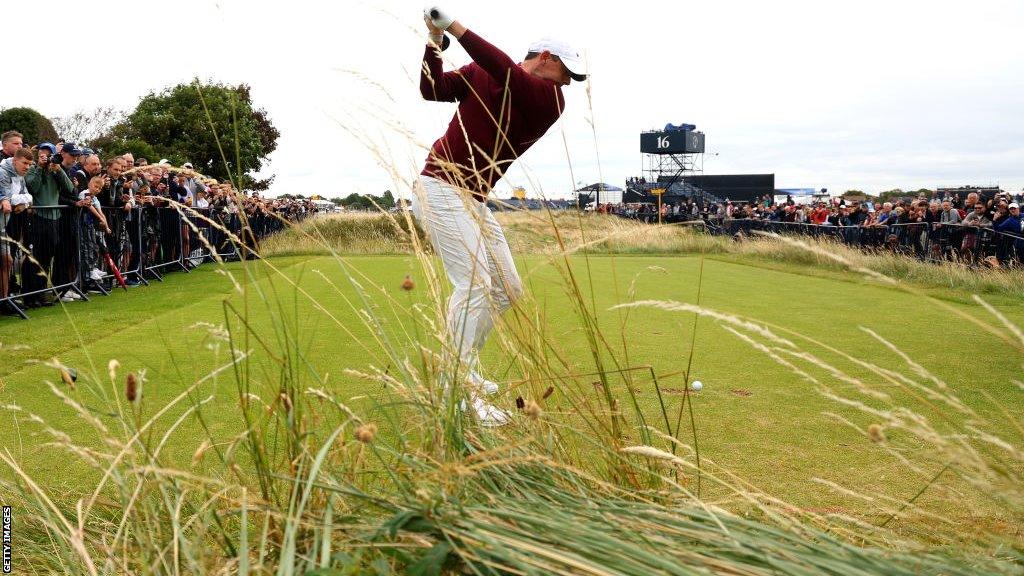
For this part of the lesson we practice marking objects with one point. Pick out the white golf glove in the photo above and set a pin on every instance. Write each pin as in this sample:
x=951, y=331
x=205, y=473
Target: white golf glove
x=438, y=16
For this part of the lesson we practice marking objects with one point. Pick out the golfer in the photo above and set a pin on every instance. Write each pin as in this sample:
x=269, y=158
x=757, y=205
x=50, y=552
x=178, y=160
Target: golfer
x=504, y=107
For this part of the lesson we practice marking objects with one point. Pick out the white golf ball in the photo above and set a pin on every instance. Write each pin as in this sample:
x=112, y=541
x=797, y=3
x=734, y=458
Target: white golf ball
x=696, y=385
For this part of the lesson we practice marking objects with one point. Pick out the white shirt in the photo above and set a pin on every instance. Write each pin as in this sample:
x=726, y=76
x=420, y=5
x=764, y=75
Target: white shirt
x=85, y=194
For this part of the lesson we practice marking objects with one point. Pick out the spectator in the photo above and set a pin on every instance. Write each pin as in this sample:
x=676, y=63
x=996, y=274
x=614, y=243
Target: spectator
x=1010, y=244
x=89, y=168
x=93, y=230
x=12, y=142
x=12, y=182
x=882, y=218
x=116, y=188
x=48, y=184
x=69, y=154
x=978, y=217
x=949, y=214
x=819, y=215
x=192, y=184
x=800, y=214
x=858, y=215
x=181, y=195
x=118, y=198
x=1011, y=226
x=974, y=221
x=150, y=223
x=970, y=204
x=1000, y=212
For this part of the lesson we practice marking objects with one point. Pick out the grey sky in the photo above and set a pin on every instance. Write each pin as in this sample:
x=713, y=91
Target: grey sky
x=870, y=95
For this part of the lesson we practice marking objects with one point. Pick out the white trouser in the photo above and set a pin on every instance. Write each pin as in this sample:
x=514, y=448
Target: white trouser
x=476, y=258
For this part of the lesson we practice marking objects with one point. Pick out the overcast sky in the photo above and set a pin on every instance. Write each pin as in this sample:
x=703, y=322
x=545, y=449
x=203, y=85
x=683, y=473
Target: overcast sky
x=869, y=95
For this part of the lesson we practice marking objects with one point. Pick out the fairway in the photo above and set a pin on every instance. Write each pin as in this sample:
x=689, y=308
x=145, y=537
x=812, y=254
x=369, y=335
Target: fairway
x=754, y=417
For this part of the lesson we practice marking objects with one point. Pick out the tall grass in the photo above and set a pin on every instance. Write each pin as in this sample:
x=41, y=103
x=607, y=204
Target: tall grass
x=347, y=233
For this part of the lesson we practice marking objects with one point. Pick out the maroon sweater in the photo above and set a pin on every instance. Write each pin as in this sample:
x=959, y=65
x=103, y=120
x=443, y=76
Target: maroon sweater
x=492, y=92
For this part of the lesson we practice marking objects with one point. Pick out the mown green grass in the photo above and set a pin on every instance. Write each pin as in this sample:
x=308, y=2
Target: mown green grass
x=753, y=417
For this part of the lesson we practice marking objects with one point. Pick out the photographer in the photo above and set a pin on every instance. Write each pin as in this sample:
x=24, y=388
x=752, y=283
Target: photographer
x=117, y=199
x=68, y=154
x=47, y=183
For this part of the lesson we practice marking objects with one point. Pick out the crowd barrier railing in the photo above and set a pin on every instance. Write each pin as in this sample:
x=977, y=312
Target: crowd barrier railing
x=114, y=258
x=39, y=251
x=51, y=252
x=928, y=241
x=161, y=240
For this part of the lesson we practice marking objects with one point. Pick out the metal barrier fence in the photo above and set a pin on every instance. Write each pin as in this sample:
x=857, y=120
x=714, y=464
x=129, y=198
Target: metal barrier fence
x=925, y=241
x=66, y=252
x=40, y=258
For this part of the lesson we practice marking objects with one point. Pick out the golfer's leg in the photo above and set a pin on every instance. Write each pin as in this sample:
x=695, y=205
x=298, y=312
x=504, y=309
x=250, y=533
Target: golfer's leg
x=506, y=286
x=456, y=238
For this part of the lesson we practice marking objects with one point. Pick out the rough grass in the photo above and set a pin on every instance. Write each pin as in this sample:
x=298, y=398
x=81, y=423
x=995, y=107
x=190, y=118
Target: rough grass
x=347, y=233
x=534, y=233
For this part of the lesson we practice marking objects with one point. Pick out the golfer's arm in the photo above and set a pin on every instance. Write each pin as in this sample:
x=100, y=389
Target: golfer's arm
x=457, y=30
x=436, y=84
x=496, y=63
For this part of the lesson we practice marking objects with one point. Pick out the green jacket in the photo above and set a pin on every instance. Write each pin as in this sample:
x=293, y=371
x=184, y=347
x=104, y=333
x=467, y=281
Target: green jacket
x=49, y=189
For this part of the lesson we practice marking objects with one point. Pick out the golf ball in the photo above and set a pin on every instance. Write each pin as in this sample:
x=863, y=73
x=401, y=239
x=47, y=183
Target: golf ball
x=696, y=385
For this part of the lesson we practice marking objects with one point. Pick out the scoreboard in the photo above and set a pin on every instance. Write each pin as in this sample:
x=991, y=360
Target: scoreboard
x=672, y=142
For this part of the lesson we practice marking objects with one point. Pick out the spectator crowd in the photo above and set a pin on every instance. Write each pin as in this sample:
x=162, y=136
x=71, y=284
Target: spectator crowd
x=72, y=222
x=972, y=228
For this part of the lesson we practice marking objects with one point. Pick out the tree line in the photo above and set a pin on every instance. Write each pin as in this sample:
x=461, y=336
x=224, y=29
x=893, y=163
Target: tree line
x=214, y=126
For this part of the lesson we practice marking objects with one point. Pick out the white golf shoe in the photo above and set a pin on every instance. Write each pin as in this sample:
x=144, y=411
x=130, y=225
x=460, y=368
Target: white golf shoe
x=489, y=415
x=480, y=383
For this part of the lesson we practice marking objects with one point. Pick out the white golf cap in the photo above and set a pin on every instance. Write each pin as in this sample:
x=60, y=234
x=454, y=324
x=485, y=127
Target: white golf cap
x=566, y=53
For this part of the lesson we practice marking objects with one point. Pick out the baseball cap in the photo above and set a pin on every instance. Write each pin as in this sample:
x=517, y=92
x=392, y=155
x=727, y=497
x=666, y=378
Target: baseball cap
x=70, y=148
x=86, y=151
x=48, y=146
x=164, y=161
x=566, y=53
x=1014, y=205
x=187, y=165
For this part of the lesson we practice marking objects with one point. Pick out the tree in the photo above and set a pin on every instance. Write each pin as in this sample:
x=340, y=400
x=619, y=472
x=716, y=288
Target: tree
x=116, y=147
x=87, y=125
x=367, y=201
x=34, y=127
x=213, y=126
x=890, y=195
